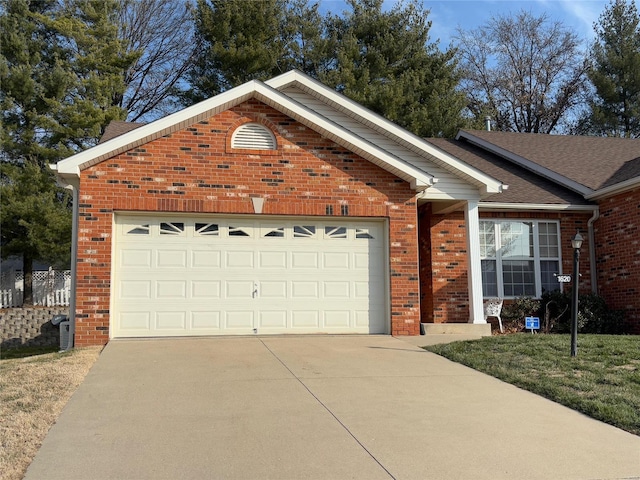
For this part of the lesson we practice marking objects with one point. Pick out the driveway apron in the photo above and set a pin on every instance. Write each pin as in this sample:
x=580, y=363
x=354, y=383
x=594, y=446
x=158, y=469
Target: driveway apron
x=315, y=407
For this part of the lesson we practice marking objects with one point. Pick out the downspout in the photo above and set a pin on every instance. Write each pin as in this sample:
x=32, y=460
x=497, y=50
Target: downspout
x=592, y=250
x=72, y=184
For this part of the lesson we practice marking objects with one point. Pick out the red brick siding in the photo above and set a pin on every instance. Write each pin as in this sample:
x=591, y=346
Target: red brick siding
x=443, y=259
x=426, y=272
x=194, y=171
x=450, y=286
x=618, y=245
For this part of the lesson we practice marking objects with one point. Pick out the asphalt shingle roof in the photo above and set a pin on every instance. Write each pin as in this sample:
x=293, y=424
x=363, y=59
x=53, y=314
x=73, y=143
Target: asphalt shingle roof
x=595, y=162
x=524, y=185
x=117, y=128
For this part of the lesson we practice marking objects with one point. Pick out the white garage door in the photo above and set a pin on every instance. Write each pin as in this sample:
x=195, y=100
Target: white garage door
x=183, y=276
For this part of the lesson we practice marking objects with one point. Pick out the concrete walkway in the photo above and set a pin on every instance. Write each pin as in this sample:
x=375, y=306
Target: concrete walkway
x=315, y=407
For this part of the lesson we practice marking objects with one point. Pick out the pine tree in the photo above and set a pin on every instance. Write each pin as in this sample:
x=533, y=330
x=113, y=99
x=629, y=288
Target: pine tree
x=383, y=60
x=386, y=62
x=308, y=48
x=242, y=41
x=615, y=72
x=60, y=64
x=35, y=219
x=91, y=60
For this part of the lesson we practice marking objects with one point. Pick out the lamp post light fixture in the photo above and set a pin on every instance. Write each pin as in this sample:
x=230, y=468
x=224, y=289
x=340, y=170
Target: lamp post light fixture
x=576, y=244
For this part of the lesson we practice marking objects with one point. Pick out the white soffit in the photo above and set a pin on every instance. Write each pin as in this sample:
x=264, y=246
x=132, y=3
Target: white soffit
x=385, y=127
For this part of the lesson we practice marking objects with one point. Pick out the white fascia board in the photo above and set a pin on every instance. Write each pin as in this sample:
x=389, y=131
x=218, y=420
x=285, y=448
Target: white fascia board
x=499, y=207
x=164, y=126
x=526, y=163
x=615, y=189
x=385, y=127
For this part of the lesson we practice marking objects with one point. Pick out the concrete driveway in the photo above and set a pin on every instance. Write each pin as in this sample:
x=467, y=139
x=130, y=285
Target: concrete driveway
x=315, y=407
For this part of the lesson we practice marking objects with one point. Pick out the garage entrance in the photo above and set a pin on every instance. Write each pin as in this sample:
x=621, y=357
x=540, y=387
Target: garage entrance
x=183, y=276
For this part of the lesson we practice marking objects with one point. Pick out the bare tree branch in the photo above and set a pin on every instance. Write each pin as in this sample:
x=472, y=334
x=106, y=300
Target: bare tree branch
x=525, y=71
x=163, y=34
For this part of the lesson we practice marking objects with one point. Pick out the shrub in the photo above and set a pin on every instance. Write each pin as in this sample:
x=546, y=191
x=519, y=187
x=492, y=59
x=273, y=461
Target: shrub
x=595, y=317
x=554, y=310
x=514, y=313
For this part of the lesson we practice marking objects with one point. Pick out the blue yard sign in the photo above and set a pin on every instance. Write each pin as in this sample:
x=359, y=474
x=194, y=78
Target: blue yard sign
x=532, y=323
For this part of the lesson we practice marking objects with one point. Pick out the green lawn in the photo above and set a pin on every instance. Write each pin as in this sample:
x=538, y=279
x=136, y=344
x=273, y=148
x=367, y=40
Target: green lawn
x=603, y=381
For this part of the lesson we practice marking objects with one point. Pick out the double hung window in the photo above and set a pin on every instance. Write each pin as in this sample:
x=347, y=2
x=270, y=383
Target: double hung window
x=519, y=258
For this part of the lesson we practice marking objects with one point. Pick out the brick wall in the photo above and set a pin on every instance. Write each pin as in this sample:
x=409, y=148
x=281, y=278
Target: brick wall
x=196, y=171
x=618, y=246
x=443, y=259
x=448, y=286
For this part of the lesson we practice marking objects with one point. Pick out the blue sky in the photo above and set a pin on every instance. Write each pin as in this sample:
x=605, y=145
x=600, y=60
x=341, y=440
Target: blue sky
x=447, y=15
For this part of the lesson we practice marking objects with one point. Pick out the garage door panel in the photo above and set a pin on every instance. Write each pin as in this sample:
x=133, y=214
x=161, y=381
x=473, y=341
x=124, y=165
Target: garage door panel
x=273, y=290
x=135, y=258
x=269, y=319
x=305, y=319
x=239, y=289
x=171, y=259
x=205, y=259
x=135, y=321
x=203, y=289
x=370, y=260
x=205, y=320
x=337, y=318
x=135, y=289
x=272, y=259
x=244, y=276
x=336, y=290
x=171, y=321
x=335, y=260
x=239, y=259
x=304, y=290
x=239, y=320
x=304, y=260
x=175, y=289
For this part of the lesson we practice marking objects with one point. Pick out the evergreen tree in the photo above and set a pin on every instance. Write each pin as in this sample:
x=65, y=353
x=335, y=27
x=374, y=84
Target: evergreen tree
x=30, y=82
x=35, y=219
x=381, y=59
x=91, y=59
x=386, y=62
x=615, y=73
x=60, y=64
x=242, y=41
x=308, y=48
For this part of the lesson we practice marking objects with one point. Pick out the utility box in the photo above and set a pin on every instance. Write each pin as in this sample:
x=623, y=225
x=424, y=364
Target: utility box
x=65, y=335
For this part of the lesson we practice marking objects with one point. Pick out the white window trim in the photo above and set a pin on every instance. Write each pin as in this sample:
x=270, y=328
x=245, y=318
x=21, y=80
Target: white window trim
x=536, y=253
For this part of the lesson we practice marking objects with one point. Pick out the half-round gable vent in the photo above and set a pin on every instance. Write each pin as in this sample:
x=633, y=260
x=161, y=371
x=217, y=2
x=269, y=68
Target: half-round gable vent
x=253, y=136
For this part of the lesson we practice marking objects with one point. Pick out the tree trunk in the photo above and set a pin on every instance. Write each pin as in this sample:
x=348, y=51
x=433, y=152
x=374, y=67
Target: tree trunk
x=27, y=269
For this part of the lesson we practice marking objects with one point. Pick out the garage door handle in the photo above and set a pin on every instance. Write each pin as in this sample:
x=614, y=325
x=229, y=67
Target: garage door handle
x=254, y=294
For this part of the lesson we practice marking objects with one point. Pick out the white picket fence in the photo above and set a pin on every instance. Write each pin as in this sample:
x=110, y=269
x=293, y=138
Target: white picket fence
x=50, y=288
